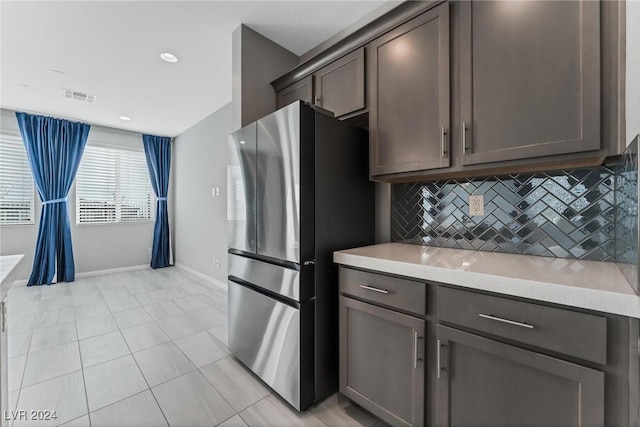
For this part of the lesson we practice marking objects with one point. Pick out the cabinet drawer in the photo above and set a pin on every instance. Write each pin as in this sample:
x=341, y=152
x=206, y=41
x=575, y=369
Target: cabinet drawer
x=568, y=332
x=390, y=291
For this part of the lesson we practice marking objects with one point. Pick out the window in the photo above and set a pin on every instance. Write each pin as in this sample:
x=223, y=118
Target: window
x=16, y=183
x=113, y=185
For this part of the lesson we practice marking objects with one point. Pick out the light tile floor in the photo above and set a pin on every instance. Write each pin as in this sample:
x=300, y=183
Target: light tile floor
x=142, y=348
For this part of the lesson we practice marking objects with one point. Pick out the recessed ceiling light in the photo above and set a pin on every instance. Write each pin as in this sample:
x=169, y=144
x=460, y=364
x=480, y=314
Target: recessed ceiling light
x=125, y=118
x=169, y=57
x=57, y=73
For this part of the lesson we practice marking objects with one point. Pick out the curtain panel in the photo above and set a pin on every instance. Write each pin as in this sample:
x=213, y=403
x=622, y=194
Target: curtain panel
x=158, y=152
x=54, y=148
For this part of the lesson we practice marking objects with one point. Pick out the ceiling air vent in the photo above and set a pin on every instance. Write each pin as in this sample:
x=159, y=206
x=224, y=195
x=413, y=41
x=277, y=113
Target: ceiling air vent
x=79, y=96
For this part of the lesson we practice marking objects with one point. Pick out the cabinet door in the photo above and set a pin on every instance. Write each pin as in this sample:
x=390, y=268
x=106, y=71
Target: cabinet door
x=382, y=361
x=482, y=382
x=339, y=87
x=300, y=90
x=529, y=79
x=409, y=95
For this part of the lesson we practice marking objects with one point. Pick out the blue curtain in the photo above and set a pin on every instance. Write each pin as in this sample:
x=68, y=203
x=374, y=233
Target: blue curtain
x=158, y=151
x=54, y=149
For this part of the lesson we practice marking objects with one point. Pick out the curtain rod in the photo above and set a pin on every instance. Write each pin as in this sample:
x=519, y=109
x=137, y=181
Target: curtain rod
x=82, y=121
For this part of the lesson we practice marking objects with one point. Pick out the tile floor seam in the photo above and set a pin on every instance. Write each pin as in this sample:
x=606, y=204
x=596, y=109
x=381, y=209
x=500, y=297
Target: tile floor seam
x=145, y=379
x=240, y=413
x=24, y=371
x=218, y=391
x=117, y=401
x=84, y=381
x=156, y=399
x=224, y=421
x=171, y=379
x=52, y=378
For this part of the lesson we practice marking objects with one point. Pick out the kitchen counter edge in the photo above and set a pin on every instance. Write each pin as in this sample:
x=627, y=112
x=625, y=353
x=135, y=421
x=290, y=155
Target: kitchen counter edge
x=573, y=283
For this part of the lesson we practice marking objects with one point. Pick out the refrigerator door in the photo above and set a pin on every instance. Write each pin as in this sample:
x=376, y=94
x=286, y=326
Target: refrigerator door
x=278, y=184
x=264, y=334
x=241, y=190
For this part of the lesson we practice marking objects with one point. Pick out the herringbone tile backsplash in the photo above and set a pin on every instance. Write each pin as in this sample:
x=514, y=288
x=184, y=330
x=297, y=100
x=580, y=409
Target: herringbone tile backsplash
x=567, y=214
x=627, y=214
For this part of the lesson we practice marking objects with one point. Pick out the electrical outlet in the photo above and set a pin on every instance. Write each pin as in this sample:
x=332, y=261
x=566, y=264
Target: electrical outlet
x=213, y=192
x=476, y=205
x=149, y=251
x=217, y=191
x=217, y=262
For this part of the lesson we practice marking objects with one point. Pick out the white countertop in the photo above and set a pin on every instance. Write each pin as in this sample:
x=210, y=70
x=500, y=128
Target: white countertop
x=7, y=264
x=592, y=285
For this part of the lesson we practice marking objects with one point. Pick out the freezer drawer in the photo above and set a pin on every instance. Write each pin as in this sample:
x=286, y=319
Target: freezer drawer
x=264, y=334
x=281, y=280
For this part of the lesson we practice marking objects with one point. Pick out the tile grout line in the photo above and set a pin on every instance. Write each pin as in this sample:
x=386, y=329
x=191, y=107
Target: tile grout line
x=24, y=371
x=145, y=380
x=84, y=381
x=218, y=391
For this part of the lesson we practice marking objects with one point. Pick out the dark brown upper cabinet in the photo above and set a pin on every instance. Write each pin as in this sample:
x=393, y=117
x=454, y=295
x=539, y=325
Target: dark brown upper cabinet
x=300, y=90
x=408, y=73
x=340, y=86
x=529, y=79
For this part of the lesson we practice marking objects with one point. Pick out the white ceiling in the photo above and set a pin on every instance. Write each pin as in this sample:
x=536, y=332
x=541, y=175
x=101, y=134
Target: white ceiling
x=111, y=49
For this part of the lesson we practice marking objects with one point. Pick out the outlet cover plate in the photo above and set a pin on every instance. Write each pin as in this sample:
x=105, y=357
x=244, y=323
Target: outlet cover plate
x=476, y=205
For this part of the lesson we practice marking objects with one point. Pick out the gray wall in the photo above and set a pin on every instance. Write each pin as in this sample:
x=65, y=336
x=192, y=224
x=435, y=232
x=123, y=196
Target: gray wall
x=200, y=160
x=96, y=246
x=256, y=62
x=632, y=96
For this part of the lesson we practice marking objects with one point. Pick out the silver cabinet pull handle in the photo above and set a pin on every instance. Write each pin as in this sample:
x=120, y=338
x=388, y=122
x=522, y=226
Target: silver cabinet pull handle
x=415, y=350
x=510, y=322
x=464, y=137
x=443, y=148
x=4, y=314
x=438, y=358
x=371, y=288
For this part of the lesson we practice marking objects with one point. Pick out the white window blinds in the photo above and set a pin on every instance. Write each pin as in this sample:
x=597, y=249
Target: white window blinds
x=16, y=183
x=113, y=185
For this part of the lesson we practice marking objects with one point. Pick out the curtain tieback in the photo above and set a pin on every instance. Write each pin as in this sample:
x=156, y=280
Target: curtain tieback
x=48, y=202
x=162, y=199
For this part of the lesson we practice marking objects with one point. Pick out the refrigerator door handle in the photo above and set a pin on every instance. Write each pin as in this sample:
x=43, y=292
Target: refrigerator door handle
x=310, y=262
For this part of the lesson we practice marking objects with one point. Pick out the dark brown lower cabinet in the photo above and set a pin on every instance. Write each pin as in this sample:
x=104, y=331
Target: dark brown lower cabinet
x=382, y=361
x=482, y=382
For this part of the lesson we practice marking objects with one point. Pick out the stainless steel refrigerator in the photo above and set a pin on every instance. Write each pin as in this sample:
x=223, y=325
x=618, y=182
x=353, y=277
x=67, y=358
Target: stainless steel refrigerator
x=298, y=189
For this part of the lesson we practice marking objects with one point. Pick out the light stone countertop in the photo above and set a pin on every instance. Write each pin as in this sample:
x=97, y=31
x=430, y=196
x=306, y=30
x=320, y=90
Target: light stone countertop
x=7, y=264
x=591, y=285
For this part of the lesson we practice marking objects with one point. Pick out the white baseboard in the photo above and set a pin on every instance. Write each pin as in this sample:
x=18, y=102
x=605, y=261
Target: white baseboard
x=113, y=270
x=23, y=282
x=202, y=276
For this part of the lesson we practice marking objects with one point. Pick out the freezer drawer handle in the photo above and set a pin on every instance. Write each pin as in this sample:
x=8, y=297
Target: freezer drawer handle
x=510, y=322
x=371, y=288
